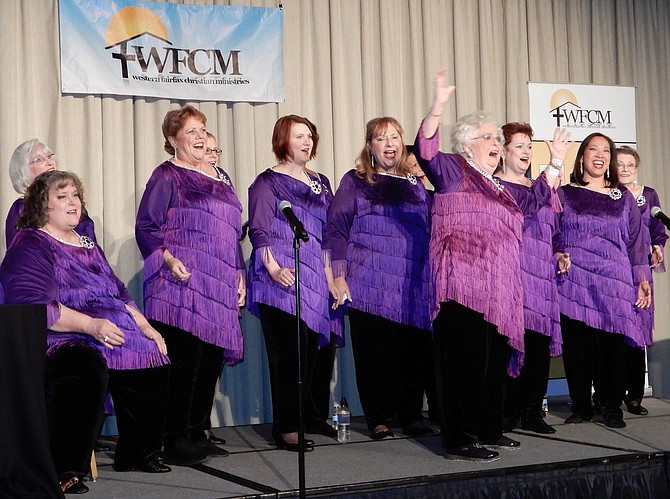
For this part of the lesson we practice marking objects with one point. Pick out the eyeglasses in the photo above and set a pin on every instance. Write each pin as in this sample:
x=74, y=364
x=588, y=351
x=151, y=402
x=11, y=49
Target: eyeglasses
x=384, y=137
x=626, y=166
x=488, y=137
x=216, y=151
x=38, y=160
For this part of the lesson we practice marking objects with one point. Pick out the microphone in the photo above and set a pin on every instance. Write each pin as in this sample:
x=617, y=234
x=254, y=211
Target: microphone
x=297, y=226
x=657, y=213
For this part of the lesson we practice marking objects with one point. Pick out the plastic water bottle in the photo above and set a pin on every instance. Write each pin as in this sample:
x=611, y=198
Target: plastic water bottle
x=343, y=422
x=333, y=415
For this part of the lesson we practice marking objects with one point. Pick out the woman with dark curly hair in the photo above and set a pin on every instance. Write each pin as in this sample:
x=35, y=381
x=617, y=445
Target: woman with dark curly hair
x=95, y=328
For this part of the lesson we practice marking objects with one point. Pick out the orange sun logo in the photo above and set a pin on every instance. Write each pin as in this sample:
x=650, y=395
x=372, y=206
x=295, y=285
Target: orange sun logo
x=132, y=22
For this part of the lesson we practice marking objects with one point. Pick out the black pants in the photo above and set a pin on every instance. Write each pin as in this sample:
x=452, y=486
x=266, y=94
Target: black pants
x=281, y=344
x=635, y=370
x=389, y=359
x=317, y=406
x=140, y=404
x=471, y=362
x=195, y=367
x=524, y=395
x=589, y=353
x=76, y=383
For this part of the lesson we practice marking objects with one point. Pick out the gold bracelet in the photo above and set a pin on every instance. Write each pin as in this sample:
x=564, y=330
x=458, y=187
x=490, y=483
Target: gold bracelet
x=435, y=115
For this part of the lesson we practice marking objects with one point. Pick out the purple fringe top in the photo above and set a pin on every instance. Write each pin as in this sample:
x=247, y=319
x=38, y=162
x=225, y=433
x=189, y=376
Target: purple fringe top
x=199, y=220
x=475, y=241
x=378, y=238
x=269, y=231
x=85, y=227
x=538, y=272
x=605, y=239
x=39, y=269
x=653, y=233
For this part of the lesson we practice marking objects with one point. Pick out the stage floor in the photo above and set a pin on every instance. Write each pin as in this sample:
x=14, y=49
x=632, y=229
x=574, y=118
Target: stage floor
x=255, y=468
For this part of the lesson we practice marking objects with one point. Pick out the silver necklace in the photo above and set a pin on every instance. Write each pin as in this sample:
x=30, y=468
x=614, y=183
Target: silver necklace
x=84, y=241
x=409, y=177
x=487, y=175
x=613, y=192
x=220, y=176
x=640, y=199
x=313, y=184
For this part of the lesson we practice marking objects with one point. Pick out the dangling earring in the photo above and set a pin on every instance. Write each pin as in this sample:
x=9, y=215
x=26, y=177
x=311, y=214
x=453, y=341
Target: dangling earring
x=503, y=166
x=581, y=166
x=607, y=173
x=372, y=160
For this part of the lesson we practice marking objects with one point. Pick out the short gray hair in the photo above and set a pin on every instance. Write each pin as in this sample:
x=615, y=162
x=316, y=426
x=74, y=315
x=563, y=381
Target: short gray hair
x=19, y=169
x=463, y=132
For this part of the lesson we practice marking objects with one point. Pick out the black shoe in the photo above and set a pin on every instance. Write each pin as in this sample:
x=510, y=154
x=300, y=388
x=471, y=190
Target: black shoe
x=537, y=425
x=417, y=429
x=575, y=418
x=283, y=444
x=154, y=465
x=614, y=421
x=472, y=452
x=216, y=440
x=503, y=443
x=318, y=427
x=100, y=446
x=70, y=483
x=635, y=407
x=183, y=452
x=211, y=449
x=382, y=434
x=509, y=424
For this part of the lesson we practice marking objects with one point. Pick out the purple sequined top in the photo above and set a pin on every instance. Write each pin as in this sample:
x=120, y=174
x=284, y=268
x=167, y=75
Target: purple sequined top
x=198, y=219
x=538, y=271
x=85, y=227
x=475, y=241
x=270, y=232
x=39, y=269
x=605, y=239
x=378, y=238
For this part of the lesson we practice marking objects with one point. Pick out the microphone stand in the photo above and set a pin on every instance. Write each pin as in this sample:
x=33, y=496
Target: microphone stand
x=301, y=417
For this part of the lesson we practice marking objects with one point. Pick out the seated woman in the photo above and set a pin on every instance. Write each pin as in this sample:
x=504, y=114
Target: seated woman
x=29, y=159
x=95, y=330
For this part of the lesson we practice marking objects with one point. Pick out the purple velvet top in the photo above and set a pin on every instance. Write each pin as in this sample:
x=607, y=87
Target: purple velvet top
x=198, y=219
x=475, y=241
x=269, y=231
x=378, y=238
x=538, y=271
x=605, y=239
x=654, y=234
x=39, y=269
x=85, y=227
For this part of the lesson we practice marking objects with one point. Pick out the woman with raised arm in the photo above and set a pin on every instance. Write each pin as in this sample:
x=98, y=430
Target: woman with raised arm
x=542, y=338
x=477, y=299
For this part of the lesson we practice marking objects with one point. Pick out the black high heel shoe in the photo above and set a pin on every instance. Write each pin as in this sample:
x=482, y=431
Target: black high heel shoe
x=283, y=444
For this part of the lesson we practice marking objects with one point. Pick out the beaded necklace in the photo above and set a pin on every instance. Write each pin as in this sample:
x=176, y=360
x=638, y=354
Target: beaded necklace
x=84, y=241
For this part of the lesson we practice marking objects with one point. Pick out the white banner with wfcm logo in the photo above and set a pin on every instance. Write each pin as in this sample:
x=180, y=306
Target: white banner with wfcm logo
x=175, y=51
x=582, y=109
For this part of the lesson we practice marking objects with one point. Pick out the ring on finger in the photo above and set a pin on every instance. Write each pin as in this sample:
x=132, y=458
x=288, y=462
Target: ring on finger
x=106, y=339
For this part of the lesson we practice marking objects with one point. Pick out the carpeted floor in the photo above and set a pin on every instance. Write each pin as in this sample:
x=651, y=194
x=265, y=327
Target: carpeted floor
x=256, y=468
